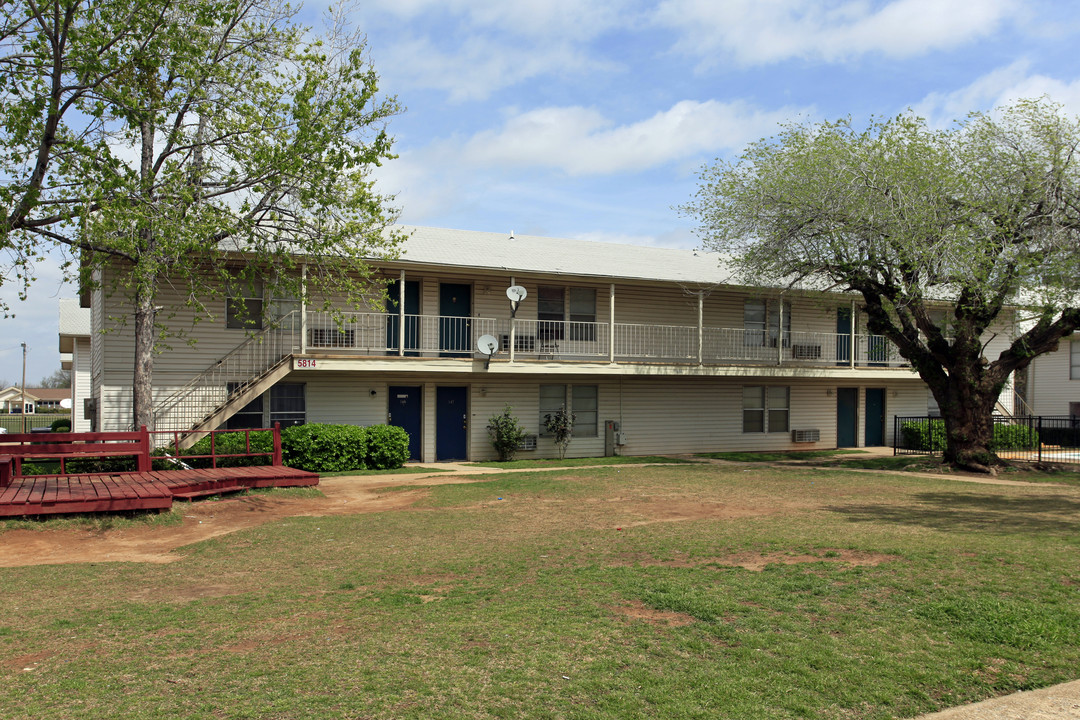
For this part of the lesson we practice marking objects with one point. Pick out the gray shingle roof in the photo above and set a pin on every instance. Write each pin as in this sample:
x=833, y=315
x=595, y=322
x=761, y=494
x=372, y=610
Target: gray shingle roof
x=560, y=256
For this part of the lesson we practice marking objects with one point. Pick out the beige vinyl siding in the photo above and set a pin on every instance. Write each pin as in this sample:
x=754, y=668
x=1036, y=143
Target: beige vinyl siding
x=80, y=384
x=1050, y=389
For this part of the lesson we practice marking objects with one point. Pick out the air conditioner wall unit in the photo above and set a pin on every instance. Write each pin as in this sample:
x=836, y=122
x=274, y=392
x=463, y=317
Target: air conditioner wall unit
x=527, y=443
x=805, y=436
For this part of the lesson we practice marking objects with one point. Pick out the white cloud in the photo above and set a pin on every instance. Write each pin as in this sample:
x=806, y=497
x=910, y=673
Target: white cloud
x=478, y=66
x=1000, y=87
x=767, y=31
x=582, y=141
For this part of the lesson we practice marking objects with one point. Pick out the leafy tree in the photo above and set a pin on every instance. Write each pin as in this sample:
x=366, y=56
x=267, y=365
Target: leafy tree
x=223, y=147
x=506, y=434
x=59, y=379
x=560, y=425
x=979, y=219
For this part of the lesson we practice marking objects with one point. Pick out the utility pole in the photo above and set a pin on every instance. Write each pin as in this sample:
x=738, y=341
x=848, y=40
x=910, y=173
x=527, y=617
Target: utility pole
x=22, y=407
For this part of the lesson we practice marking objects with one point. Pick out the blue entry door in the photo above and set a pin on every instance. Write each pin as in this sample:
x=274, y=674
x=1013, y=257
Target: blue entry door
x=875, y=417
x=412, y=319
x=455, y=306
x=847, y=413
x=451, y=423
x=405, y=412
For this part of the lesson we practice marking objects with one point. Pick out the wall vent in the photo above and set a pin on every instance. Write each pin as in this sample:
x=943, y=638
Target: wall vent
x=805, y=436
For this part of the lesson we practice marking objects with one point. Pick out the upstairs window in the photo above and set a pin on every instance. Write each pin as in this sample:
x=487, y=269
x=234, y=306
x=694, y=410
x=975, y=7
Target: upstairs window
x=1074, y=360
x=762, y=322
x=244, y=305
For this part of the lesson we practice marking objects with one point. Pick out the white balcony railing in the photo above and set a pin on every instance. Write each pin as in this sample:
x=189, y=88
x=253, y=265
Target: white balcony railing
x=546, y=340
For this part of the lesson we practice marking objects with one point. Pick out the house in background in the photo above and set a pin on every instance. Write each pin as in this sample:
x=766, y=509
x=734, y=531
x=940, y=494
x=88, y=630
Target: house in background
x=36, y=399
x=75, y=357
x=655, y=350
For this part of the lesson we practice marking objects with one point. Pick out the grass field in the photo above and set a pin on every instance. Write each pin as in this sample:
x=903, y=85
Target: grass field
x=693, y=591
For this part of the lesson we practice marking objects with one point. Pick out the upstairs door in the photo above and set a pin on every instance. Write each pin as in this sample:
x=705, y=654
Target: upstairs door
x=875, y=417
x=451, y=423
x=455, y=307
x=847, y=412
x=412, y=319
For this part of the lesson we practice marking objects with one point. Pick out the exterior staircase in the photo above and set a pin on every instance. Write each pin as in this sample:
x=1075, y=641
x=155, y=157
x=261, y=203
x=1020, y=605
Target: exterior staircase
x=217, y=393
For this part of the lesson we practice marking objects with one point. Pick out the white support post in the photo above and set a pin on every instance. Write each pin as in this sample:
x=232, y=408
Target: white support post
x=700, y=324
x=303, y=310
x=611, y=323
x=779, y=333
x=513, y=324
x=401, y=314
x=851, y=359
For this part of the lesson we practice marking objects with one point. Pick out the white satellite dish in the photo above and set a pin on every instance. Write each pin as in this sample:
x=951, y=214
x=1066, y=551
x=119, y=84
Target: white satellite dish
x=516, y=293
x=66, y=403
x=487, y=345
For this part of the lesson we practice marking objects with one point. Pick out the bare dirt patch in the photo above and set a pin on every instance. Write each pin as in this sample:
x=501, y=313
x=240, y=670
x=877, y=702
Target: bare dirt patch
x=203, y=521
x=637, y=610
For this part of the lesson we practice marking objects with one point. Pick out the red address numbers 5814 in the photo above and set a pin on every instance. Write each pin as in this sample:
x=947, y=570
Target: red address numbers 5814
x=305, y=363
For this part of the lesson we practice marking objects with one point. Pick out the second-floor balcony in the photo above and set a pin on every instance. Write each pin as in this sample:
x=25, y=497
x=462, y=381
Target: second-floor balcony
x=569, y=341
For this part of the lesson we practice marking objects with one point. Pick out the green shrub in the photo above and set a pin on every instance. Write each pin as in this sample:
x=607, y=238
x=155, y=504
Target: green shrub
x=61, y=425
x=928, y=435
x=387, y=447
x=1014, y=437
x=560, y=425
x=225, y=443
x=931, y=436
x=506, y=434
x=324, y=448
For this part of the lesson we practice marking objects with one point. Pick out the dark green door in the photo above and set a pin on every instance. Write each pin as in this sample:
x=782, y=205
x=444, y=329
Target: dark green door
x=412, y=317
x=454, y=309
x=875, y=417
x=847, y=417
x=843, y=336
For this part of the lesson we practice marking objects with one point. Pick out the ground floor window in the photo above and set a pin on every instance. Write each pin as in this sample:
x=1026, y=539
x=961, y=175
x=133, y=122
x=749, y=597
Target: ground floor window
x=287, y=404
x=766, y=409
x=552, y=397
x=583, y=402
x=247, y=417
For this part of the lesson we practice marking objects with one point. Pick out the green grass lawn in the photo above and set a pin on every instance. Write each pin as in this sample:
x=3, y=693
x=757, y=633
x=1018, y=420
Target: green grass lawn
x=584, y=462
x=695, y=591
x=778, y=456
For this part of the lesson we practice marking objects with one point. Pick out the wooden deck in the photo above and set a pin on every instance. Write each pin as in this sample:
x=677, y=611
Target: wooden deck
x=154, y=490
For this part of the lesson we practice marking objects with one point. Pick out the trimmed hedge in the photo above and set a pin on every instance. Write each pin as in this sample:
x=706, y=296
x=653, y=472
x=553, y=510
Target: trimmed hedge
x=387, y=447
x=930, y=436
x=315, y=447
x=61, y=425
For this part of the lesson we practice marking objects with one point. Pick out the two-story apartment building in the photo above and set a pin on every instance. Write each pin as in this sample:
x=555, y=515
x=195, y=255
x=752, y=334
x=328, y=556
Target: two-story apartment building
x=655, y=350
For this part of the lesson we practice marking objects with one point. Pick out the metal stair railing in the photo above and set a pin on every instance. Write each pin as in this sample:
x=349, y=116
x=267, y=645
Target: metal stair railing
x=244, y=365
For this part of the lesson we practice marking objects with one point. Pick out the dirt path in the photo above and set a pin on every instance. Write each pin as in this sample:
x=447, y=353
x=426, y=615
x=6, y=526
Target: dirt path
x=204, y=520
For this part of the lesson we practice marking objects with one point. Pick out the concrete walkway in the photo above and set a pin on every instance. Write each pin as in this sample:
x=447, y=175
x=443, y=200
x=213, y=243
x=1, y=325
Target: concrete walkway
x=1059, y=702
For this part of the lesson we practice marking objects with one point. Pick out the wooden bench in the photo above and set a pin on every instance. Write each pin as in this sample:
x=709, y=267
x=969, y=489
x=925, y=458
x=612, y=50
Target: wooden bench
x=71, y=446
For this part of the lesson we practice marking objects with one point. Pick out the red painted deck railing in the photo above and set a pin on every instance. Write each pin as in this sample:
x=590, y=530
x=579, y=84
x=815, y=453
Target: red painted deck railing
x=16, y=448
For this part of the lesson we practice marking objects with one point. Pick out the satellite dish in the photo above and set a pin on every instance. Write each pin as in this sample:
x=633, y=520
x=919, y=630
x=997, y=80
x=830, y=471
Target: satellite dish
x=66, y=403
x=516, y=293
x=487, y=345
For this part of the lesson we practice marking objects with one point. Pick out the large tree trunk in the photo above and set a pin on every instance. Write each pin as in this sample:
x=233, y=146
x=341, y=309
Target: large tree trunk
x=142, y=387
x=969, y=432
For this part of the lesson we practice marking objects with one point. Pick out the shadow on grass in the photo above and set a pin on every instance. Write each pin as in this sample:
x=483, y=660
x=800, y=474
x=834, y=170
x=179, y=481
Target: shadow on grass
x=964, y=512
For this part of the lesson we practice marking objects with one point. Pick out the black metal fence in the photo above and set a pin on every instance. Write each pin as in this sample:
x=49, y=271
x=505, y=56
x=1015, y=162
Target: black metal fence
x=1036, y=438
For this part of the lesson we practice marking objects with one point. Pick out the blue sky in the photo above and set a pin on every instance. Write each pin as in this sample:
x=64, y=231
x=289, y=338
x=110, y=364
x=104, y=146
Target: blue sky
x=590, y=118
